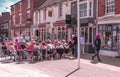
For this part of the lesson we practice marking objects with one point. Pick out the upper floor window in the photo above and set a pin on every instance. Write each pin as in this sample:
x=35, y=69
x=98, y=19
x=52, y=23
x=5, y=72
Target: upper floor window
x=13, y=9
x=28, y=1
x=83, y=10
x=36, y=17
x=45, y=11
x=20, y=18
x=86, y=9
x=110, y=6
x=28, y=16
x=60, y=10
x=50, y=13
x=13, y=19
x=20, y=6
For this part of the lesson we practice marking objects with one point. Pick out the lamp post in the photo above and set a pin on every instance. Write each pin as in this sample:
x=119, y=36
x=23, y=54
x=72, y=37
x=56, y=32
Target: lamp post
x=78, y=32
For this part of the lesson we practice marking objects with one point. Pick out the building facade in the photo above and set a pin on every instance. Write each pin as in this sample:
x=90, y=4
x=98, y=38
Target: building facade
x=22, y=16
x=50, y=19
x=4, y=24
x=109, y=25
x=87, y=20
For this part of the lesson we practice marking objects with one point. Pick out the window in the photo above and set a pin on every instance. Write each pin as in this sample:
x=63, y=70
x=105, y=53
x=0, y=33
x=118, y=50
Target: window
x=20, y=18
x=86, y=8
x=108, y=36
x=110, y=6
x=28, y=1
x=36, y=17
x=20, y=6
x=50, y=13
x=60, y=10
x=28, y=16
x=83, y=10
x=13, y=9
x=14, y=20
x=45, y=14
x=39, y=16
x=90, y=9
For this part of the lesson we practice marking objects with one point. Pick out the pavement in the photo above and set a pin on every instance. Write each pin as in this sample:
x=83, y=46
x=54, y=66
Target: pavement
x=109, y=67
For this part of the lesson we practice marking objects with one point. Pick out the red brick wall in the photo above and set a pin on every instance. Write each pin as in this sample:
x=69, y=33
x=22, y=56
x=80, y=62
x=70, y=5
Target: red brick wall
x=33, y=4
x=117, y=6
x=101, y=8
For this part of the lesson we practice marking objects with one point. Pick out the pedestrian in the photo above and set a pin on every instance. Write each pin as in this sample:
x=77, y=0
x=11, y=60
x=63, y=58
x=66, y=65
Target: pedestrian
x=82, y=44
x=97, y=44
x=75, y=45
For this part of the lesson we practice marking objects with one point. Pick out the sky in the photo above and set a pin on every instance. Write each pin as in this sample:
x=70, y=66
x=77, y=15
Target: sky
x=5, y=5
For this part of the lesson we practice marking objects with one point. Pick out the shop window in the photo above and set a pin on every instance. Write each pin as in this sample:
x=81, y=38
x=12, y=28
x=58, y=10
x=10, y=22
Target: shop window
x=108, y=37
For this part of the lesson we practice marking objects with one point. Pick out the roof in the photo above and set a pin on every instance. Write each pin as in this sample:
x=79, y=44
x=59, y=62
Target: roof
x=15, y=3
x=38, y=5
x=49, y=3
x=4, y=17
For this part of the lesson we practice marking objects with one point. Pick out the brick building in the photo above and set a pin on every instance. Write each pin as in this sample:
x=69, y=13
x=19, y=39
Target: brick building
x=109, y=25
x=4, y=23
x=22, y=16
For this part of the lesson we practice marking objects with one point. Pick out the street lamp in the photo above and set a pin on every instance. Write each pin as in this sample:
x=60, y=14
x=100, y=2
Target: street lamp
x=78, y=32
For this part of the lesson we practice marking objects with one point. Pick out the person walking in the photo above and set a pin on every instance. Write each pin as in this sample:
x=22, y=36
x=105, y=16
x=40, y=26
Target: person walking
x=82, y=43
x=97, y=44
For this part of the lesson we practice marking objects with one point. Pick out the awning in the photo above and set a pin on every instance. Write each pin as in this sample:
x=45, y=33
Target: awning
x=59, y=23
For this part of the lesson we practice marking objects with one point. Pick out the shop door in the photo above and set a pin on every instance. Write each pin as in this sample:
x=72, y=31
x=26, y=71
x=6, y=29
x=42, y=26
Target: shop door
x=87, y=33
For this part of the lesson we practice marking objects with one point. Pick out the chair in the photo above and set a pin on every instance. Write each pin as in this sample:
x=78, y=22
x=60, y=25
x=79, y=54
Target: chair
x=21, y=54
x=36, y=53
x=60, y=51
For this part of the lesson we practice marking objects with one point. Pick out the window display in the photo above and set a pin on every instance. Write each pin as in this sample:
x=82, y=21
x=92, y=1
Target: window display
x=108, y=37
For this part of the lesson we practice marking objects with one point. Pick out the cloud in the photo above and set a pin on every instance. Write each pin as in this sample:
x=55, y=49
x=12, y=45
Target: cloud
x=5, y=5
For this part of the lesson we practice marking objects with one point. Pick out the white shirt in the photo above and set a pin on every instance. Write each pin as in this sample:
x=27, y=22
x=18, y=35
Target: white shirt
x=82, y=40
x=20, y=39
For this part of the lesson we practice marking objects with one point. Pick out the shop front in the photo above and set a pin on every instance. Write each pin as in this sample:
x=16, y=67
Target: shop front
x=59, y=30
x=109, y=37
x=41, y=32
x=88, y=32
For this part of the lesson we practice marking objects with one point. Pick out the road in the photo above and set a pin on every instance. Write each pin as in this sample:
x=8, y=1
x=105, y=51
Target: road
x=59, y=68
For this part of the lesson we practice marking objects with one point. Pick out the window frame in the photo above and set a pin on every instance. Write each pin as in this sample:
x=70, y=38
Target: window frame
x=28, y=4
x=60, y=8
x=20, y=6
x=20, y=15
x=89, y=9
x=109, y=6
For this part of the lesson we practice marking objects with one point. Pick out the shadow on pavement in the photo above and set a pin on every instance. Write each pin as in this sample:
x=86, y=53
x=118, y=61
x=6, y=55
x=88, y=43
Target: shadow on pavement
x=105, y=59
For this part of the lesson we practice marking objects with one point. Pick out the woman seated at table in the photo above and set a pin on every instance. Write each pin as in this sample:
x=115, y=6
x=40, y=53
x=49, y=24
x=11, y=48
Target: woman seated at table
x=12, y=50
x=30, y=48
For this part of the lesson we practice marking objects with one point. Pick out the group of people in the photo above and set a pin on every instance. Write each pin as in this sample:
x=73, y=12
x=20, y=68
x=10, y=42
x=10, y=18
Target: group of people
x=50, y=47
